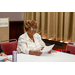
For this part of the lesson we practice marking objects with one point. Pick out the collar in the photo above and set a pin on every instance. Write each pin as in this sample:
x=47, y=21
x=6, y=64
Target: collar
x=28, y=38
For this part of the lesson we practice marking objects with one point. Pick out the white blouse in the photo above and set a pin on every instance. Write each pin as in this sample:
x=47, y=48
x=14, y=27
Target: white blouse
x=25, y=43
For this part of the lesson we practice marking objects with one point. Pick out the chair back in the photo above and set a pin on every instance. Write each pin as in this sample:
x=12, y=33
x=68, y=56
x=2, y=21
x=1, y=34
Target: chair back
x=71, y=48
x=10, y=46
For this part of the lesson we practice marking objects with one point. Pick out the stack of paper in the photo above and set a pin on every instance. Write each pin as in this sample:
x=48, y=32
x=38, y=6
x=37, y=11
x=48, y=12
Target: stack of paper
x=47, y=48
x=2, y=58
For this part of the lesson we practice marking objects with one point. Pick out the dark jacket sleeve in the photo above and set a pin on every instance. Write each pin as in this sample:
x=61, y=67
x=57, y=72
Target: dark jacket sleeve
x=1, y=49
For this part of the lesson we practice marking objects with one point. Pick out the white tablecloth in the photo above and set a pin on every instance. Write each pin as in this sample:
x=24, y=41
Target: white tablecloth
x=53, y=57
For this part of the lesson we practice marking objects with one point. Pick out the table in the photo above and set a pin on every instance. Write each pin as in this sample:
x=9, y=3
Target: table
x=53, y=57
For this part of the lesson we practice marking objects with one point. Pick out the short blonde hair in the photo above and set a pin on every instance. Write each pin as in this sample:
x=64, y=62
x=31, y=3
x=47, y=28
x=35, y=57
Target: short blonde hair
x=30, y=23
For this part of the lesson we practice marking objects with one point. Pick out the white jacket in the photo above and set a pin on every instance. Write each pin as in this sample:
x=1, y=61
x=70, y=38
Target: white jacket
x=25, y=43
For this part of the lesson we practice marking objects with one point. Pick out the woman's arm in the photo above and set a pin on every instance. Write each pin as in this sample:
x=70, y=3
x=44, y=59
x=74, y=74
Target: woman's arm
x=38, y=53
x=22, y=45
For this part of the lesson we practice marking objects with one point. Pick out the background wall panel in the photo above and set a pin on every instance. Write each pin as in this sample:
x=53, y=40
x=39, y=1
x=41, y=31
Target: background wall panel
x=4, y=29
x=13, y=16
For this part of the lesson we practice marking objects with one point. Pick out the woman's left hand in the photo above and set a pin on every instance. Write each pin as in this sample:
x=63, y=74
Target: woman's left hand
x=50, y=51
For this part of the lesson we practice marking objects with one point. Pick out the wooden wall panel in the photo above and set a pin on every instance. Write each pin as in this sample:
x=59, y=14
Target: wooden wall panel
x=16, y=29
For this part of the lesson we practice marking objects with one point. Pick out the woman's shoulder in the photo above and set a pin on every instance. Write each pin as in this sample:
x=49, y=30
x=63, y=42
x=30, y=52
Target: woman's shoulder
x=23, y=35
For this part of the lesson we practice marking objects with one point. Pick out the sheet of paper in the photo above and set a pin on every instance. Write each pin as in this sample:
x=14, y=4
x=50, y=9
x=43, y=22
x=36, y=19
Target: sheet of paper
x=2, y=58
x=9, y=58
x=47, y=48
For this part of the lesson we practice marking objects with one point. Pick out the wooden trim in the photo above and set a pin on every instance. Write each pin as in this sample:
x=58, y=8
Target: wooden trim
x=16, y=21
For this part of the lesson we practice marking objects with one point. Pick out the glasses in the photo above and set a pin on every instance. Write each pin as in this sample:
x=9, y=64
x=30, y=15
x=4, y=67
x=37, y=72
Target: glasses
x=33, y=28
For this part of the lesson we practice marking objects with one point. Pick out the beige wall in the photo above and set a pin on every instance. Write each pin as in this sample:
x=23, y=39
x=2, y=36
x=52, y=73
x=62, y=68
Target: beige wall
x=4, y=33
x=13, y=16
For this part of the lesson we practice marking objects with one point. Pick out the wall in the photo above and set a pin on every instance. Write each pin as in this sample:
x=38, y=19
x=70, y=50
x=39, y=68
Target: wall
x=13, y=16
x=16, y=22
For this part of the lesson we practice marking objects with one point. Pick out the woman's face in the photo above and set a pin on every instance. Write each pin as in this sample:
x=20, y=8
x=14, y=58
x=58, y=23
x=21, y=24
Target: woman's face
x=32, y=30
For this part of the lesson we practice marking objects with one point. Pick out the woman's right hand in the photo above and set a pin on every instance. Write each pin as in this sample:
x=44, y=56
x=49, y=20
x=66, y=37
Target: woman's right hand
x=38, y=53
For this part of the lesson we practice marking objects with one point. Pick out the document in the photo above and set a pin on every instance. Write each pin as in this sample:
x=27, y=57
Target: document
x=47, y=48
x=2, y=58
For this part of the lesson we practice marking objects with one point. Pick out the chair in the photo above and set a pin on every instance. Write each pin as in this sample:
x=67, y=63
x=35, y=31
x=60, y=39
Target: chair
x=71, y=48
x=9, y=46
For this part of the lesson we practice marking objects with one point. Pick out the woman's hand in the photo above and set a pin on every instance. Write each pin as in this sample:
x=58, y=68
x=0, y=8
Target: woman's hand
x=42, y=48
x=50, y=51
x=38, y=53
x=3, y=54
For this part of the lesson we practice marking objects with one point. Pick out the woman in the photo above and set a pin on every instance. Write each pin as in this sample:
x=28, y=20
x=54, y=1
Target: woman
x=1, y=52
x=30, y=42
